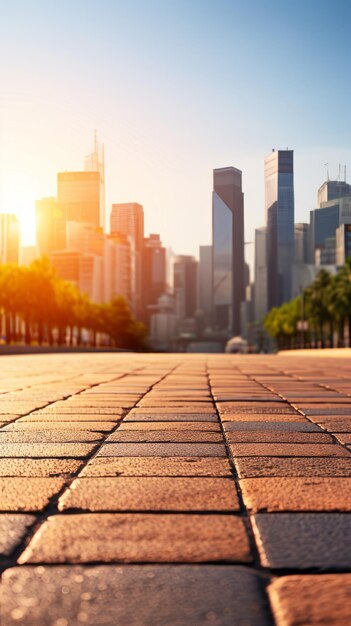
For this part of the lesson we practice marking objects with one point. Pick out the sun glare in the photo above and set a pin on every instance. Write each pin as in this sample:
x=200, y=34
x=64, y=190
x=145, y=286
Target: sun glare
x=17, y=196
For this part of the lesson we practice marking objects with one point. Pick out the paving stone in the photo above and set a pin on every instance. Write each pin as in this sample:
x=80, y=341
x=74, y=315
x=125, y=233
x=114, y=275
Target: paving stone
x=183, y=426
x=181, y=396
x=27, y=494
x=151, y=494
x=296, y=494
x=164, y=410
x=263, y=417
x=336, y=426
x=323, y=599
x=71, y=410
x=170, y=404
x=172, y=436
x=315, y=403
x=49, y=436
x=39, y=467
x=287, y=449
x=162, y=594
x=72, y=426
x=157, y=466
x=254, y=407
x=175, y=417
x=304, y=540
x=254, y=467
x=276, y=425
x=264, y=436
x=46, y=450
x=163, y=449
x=320, y=411
x=127, y=538
x=344, y=438
x=6, y=417
x=45, y=418
x=13, y=527
x=230, y=397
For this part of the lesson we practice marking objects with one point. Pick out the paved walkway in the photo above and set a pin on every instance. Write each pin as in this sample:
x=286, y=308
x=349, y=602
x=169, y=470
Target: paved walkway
x=172, y=490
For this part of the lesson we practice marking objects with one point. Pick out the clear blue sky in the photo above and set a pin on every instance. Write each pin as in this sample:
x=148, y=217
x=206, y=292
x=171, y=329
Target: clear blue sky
x=175, y=89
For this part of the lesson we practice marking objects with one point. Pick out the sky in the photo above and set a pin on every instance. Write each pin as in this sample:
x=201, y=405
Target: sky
x=175, y=88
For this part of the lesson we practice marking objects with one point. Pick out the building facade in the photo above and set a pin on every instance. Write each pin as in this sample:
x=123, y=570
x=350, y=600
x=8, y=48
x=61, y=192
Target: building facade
x=279, y=206
x=343, y=243
x=78, y=197
x=228, y=249
x=185, y=286
x=205, y=283
x=260, y=292
x=9, y=238
x=323, y=224
x=153, y=269
x=50, y=226
x=332, y=190
x=128, y=219
x=302, y=239
x=95, y=162
x=119, y=260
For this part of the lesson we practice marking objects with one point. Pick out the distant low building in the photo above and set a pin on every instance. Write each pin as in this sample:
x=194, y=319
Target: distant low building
x=83, y=270
x=164, y=323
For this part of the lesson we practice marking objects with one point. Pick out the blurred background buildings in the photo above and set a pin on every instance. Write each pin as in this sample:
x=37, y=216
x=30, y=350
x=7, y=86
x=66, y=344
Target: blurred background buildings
x=188, y=303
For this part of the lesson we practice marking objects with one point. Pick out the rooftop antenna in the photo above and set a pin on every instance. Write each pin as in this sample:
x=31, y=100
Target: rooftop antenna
x=327, y=166
x=344, y=173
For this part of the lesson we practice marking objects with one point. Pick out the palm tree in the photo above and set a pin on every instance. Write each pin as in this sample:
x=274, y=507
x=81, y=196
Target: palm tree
x=318, y=304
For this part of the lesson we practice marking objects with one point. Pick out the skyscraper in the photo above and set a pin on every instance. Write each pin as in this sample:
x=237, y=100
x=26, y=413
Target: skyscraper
x=119, y=259
x=334, y=210
x=302, y=239
x=228, y=249
x=332, y=190
x=95, y=162
x=9, y=238
x=279, y=201
x=343, y=243
x=260, y=293
x=50, y=226
x=153, y=273
x=78, y=196
x=128, y=219
x=185, y=286
x=205, y=283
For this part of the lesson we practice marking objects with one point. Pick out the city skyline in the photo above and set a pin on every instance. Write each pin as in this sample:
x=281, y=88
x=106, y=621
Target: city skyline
x=160, y=151
x=29, y=236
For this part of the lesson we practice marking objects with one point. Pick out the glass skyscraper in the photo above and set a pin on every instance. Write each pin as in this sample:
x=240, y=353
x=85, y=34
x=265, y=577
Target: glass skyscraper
x=228, y=249
x=279, y=200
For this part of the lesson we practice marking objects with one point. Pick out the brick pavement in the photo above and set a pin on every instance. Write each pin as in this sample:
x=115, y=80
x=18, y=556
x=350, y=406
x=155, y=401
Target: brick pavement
x=175, y=489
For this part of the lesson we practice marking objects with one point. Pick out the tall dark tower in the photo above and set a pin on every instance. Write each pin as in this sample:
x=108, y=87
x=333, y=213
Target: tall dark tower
x=228, y=249
x=279, y=196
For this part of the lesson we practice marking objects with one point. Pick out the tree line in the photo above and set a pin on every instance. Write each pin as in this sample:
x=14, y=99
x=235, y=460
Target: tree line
x=38, y=306
x=326, y=307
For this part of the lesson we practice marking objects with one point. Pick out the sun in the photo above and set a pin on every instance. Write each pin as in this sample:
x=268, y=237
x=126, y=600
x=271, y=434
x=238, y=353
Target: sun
x=18, y=196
